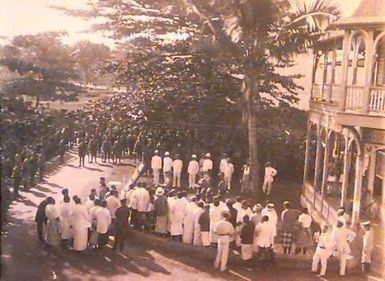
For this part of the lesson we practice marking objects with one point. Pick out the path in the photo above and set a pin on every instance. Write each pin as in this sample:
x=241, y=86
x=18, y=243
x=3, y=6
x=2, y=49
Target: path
x=24, y=258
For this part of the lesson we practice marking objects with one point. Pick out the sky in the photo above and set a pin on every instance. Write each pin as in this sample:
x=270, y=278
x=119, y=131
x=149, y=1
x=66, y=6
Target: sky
x=33, y=16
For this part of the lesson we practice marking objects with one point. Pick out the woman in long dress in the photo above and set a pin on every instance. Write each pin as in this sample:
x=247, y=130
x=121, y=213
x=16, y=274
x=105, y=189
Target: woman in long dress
x=80, y=221
x=52, y=213
x=65, y=223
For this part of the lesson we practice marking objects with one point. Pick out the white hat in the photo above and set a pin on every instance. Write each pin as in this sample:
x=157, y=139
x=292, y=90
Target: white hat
x=208, y=155
x=159, y=191
x=270, y=205
x=156, y=151
x=366, y=223
x=193, y=156
x=167, y=153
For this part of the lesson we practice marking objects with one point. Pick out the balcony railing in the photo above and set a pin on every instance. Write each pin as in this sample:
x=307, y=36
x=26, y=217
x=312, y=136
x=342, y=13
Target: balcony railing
x=354, y=96
x=377, y=100
x=330, y=93
x=321, y=92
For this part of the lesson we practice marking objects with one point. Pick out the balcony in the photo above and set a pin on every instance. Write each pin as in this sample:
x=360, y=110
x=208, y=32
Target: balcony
x=354, y=99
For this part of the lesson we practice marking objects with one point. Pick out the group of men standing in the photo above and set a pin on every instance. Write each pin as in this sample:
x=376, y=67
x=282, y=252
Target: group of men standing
x=171, y=171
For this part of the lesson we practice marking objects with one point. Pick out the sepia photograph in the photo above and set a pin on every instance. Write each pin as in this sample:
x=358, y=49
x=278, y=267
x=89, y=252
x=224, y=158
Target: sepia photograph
x=192, y=140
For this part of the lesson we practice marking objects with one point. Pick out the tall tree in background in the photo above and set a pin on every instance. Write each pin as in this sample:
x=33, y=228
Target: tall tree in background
x=44, y=67
x=89, y=58
x=265, y=35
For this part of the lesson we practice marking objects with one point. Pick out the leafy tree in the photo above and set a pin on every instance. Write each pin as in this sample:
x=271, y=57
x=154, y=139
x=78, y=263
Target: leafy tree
x=173, y=46
x=89, y=59
x=44, y=66
x=264, y=35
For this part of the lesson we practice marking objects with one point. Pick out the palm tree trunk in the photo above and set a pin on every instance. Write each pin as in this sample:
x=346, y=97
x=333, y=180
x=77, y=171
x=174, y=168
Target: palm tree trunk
x=252, y=130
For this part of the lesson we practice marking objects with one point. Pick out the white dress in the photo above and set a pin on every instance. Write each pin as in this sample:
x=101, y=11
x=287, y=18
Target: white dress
x=177, y=211
x=188, y=223
x=52, y=214
x=65, y=221
x=80, y=221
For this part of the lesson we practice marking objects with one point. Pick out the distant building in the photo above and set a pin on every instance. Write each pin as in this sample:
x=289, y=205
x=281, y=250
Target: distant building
x=345, y=154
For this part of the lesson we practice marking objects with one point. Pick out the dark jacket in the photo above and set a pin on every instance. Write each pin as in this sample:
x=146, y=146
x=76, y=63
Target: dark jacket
x=161, y=206
x=40, y=213
x=122, y=214
x=247, y=233
x=204, y=221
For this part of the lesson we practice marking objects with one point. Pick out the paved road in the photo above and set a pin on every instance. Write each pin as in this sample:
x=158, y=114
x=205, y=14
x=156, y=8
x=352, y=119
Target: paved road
x=24, y=258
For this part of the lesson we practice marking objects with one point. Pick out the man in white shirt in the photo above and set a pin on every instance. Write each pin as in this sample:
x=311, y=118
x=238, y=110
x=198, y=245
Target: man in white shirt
x=367, y=247
x=325, y=248
x=265, y=234
x=223, y=164
x=103, y=222
x=188, y=221
x=207, y=165
x=216, y=209
x=177, y=168
x=343, y=237
x=167, y=167
x=270, y=211
x=156, y=166
x=113, y=203
x=143, y=205
x=270, y=173
x=305, y=219
x=192, y=170
x=223, y=229
x=178, y=210
x=246, y=178
x=228, y=173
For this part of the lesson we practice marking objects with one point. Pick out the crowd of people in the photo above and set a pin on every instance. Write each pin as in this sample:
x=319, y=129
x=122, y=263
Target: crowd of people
x=227, y=222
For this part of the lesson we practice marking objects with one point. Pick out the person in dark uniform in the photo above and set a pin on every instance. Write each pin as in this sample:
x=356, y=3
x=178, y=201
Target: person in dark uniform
x=82, y=151
x=41, y=218
x=122, y=226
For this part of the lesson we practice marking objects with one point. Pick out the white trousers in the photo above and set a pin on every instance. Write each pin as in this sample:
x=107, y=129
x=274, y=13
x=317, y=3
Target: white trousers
x=205, y=237
x=191, y=180
x=222, y=253
x=228, y=179
x=176, y=181
x=267, y=186
x=343, y=260
x=156, y=173
x=320, y=257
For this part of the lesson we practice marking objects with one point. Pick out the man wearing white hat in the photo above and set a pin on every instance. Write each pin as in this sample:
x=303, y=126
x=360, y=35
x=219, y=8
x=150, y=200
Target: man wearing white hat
x=325, y=248
x=192, y=170
x=343, y=237
x=273, y=217
x=156, y=166
x=167, y=166
x=161, y=211
x=367, y=247
x=207, y=164
x=177, y=166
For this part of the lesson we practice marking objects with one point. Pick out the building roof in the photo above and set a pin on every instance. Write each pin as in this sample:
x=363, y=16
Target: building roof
x=368, y=13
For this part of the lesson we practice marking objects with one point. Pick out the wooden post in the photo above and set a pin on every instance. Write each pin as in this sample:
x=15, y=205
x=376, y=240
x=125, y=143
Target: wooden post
x=345, y=69
x=325, y=171
x=369, y=59
x=345, y=178
x=333, y=74
x=357, y=189
x=324, y=76
x=317, y=163
x=307, y=154
x=372, y=172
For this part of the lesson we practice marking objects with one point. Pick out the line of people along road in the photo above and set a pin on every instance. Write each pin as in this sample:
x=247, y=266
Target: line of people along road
x=227, y=223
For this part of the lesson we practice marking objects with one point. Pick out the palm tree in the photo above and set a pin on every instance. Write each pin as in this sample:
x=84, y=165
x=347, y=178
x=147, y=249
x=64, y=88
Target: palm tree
x=264, y=35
